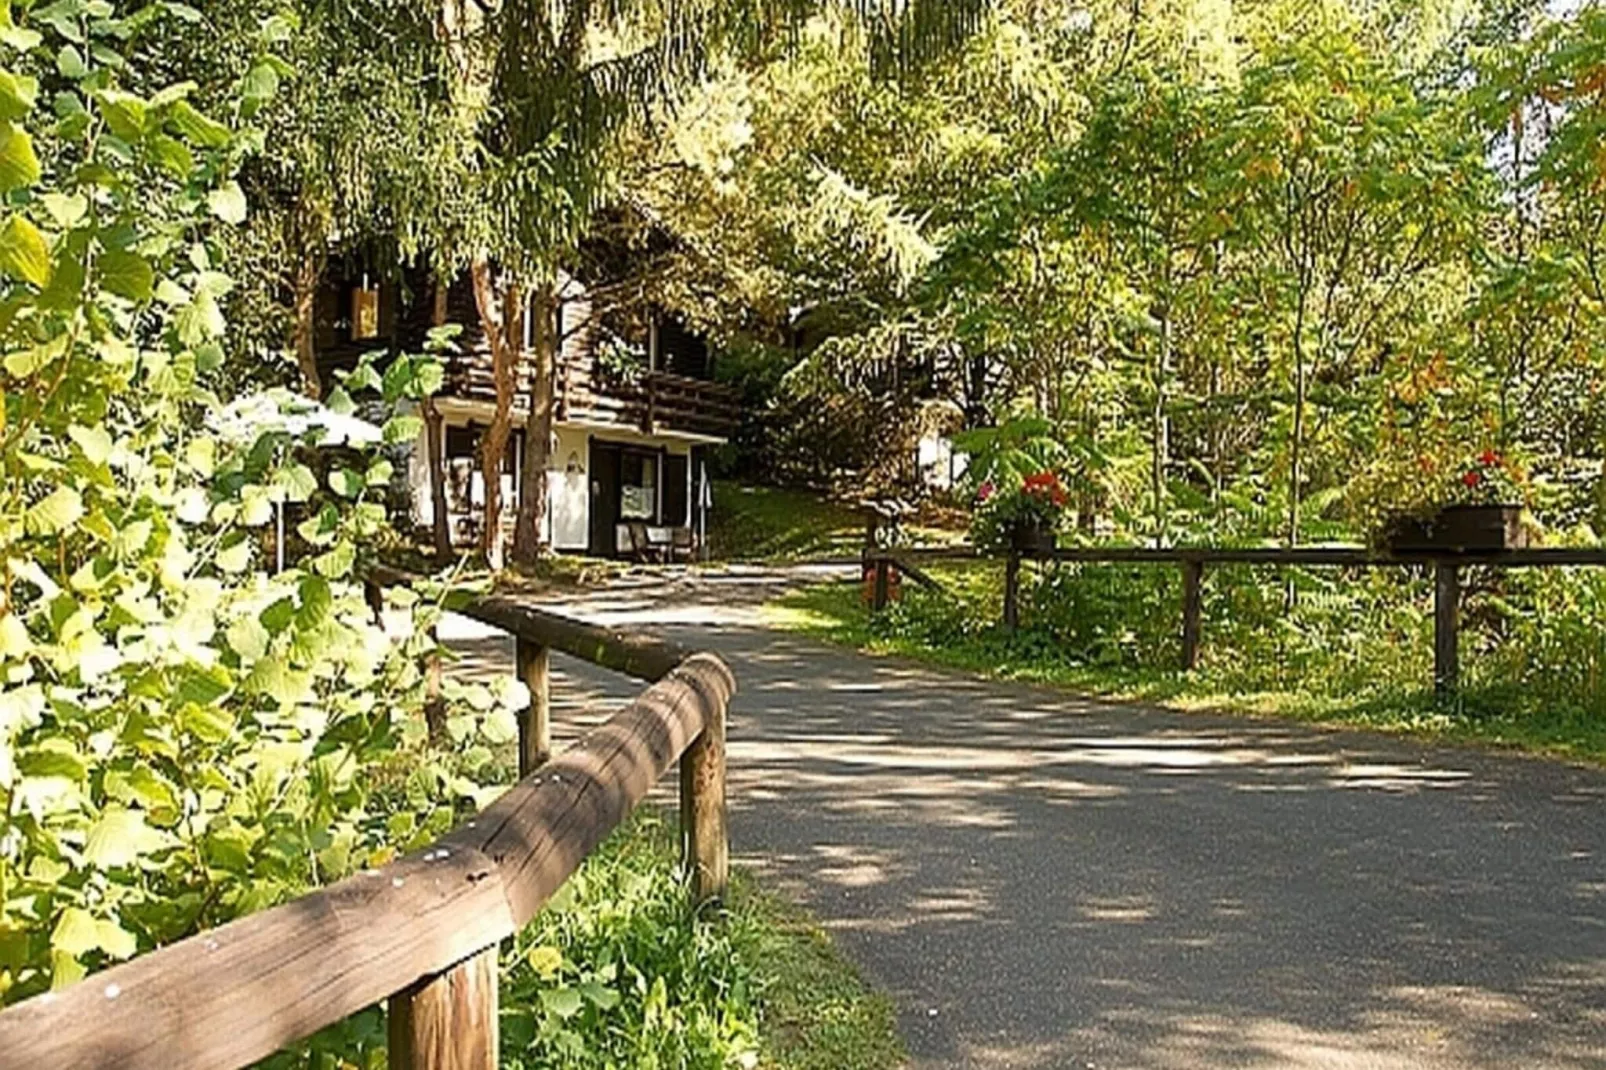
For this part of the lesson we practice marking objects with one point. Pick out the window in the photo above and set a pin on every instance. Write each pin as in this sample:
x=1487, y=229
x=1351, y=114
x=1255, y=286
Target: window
x=364, y=311
x=638, y=485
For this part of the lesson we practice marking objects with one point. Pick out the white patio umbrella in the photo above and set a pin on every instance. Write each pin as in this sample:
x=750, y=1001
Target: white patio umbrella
x=279, y=410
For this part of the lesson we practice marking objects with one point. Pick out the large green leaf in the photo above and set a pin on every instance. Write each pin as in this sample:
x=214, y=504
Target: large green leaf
x=125, y=113
x=23, y=253
x=17, y=95
x=228, y=203
x=18, y=164
x=95, y=443
x=58, y=511
x=198, y=128
x=121, y=838
x=126, y=274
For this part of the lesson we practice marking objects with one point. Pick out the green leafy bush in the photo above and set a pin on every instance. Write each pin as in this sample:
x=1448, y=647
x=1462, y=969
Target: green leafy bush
x=1354, y=645
x=615, y=973
x=185, y=735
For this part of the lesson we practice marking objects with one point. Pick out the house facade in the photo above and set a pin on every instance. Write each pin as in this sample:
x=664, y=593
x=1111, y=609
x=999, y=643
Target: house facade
x=635, y=412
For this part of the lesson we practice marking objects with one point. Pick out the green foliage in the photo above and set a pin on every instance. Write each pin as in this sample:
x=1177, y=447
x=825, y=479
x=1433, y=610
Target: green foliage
x=185, y=735
x=1356, y=648
x=765, y=523
x=616, y=973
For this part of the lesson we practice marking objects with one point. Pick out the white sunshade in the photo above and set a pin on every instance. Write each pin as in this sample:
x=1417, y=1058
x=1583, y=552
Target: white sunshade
x=279, y=409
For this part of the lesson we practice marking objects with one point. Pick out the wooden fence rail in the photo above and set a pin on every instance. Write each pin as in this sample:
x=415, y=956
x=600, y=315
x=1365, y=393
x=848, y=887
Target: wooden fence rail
x=1193, y=560
x=423, y=931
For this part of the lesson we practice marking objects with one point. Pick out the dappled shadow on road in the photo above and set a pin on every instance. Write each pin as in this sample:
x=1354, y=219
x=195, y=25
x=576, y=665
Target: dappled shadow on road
x=1046, y=881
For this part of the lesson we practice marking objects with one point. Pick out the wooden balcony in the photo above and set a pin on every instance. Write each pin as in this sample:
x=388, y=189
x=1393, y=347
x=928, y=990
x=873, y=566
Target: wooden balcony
x=652, y=403
x=648, y=402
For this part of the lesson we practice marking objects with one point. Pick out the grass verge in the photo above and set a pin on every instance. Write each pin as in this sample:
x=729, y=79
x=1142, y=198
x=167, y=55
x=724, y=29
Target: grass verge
x=774, y=524
x=616, y=972
x=1489, y=713
x=619, y=971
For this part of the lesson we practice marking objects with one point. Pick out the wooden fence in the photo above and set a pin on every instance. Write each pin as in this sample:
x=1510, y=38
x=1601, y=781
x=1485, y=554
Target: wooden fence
x=423, y=931
x=1193, y=561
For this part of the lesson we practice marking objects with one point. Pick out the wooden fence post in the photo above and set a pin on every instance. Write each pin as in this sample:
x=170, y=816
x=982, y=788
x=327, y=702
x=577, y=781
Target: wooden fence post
x=448, y=1021
x=1012, y=591
x=535, y=727
x=1192, y=611
x=703, y=835
x=883, y=585
x=1446, y=626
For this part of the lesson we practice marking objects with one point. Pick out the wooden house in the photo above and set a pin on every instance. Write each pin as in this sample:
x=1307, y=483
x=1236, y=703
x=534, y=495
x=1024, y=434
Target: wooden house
x=635, y=409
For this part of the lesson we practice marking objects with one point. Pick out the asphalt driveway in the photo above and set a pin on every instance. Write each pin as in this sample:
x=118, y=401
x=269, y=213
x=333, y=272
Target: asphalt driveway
x=1046, y=881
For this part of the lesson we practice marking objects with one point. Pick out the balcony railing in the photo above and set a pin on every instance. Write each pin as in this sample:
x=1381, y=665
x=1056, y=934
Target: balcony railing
x=651, y=403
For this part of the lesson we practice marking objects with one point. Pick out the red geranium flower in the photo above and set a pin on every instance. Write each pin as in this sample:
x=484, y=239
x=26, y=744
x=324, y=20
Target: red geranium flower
x=1489, y=459
x=984, y=491
x=1472, y=479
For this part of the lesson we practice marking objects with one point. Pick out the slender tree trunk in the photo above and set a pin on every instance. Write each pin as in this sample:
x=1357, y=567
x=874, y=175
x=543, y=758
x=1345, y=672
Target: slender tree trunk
x=435, y=445
x=1297, y=447
x=309, y=270
x=529, y=536
x=1161, y=430
x=1087, y=502
x=499, y=316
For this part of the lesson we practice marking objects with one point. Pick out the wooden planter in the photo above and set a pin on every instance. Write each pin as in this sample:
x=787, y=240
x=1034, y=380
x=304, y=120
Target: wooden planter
x=1459, y=529
x=1031, y=537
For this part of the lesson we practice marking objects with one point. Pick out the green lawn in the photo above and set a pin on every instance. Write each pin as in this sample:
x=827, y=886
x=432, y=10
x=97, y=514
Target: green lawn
x=751, y=523
x=780, y=525
x=1381, y=683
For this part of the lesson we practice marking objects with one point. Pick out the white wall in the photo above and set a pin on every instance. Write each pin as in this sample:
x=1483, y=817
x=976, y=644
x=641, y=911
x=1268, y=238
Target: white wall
x=568, y=476
x=418, y=485
x=569, y=491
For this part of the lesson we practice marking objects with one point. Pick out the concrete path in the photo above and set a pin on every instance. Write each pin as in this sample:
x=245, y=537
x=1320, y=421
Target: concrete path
x=1045, y=881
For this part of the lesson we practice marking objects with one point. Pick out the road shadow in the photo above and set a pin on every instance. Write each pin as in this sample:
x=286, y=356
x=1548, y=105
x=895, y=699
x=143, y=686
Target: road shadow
x=1042, y=880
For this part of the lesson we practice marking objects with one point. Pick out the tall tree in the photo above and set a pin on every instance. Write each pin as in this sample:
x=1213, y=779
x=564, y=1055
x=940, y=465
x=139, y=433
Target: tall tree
x=554, y=87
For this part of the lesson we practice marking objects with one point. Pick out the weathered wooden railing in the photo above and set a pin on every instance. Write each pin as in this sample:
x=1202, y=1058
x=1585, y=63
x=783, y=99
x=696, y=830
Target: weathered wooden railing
x=651, y=402
x=1446, y=566
x=423, y=931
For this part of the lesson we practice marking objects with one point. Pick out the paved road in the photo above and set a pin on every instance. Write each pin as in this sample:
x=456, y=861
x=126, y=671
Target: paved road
x=1046, y=881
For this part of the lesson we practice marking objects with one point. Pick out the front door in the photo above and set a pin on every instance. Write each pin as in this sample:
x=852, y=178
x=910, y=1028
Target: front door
x=604, y=539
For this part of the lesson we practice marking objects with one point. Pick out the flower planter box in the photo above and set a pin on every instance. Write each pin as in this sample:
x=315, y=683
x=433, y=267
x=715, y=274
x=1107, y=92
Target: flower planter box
x=1459, y=529
x=1032, y=539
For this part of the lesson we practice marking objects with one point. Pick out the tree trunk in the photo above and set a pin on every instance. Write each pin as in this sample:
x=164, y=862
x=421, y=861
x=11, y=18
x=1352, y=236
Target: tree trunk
x=309, y=270
x=435, y=446
x=1161, y=445
x=499, y=316
x=530, y=535
x=1297, y=447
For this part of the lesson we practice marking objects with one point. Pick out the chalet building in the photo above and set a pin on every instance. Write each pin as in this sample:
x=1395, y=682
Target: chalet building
x=635, y=411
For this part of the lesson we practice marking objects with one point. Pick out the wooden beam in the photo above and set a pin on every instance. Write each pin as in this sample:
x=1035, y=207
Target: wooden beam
x=914, y=572
x=1339, y=556
x=544, y=826
x=1446, y=627
x=238, y=993
x=1192, y=611
x=535, y=727
x=448, y=1021
x=882, y=594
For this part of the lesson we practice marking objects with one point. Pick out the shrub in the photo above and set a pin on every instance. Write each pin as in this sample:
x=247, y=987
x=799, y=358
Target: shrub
x=185, y=736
